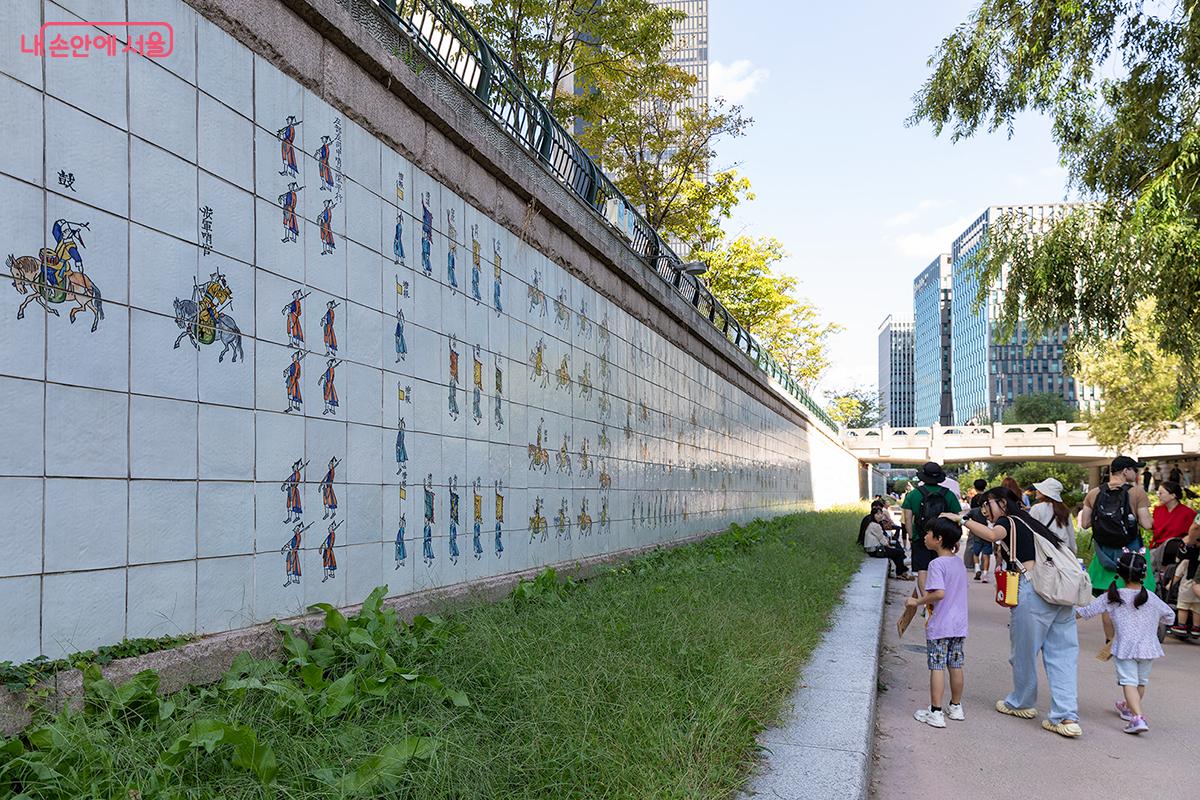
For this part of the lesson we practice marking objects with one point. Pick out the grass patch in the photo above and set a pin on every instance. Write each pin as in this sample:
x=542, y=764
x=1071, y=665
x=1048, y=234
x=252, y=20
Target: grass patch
x=649, y=681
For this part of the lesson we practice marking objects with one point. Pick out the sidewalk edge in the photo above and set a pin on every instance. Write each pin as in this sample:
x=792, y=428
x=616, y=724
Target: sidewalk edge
x=825, y=745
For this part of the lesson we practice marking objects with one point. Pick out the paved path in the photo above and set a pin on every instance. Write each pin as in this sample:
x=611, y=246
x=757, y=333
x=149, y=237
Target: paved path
x=966, y=758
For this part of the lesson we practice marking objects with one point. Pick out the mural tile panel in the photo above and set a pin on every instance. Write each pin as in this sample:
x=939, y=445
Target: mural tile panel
x=160, y=515
x=392, y=387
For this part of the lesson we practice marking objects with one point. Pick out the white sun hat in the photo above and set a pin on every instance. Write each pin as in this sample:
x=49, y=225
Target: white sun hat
x=1051, y=487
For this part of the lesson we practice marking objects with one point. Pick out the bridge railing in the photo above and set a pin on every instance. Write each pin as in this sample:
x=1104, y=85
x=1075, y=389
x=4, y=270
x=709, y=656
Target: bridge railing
x=439, y=30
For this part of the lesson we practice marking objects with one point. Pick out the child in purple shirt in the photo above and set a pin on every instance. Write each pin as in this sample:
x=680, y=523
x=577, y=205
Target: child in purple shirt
x=946, y=628
x=1136, y=615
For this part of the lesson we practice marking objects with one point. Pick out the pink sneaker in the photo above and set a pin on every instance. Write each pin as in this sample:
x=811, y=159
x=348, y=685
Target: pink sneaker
x=1137, y=725
x=1123, y=710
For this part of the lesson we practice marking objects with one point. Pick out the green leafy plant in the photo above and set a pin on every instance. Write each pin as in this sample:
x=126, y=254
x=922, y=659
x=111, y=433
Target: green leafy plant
x=545, y=586
x=215, y=735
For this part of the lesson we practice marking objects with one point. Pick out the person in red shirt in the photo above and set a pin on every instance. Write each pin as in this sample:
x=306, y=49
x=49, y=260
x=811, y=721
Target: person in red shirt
x=1171, y=517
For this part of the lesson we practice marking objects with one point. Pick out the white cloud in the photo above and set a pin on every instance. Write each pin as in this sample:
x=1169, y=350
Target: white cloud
x=734, y=82
x=924, y=245
x=910, y=216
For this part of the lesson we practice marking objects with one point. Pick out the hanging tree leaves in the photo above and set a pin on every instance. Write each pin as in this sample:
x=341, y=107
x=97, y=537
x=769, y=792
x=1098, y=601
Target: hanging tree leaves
x=1119, y=80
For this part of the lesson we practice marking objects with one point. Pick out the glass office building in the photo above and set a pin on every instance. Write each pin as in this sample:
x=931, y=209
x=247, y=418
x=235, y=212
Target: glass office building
x=987, y=372
x=896, y=371
x=932, y=395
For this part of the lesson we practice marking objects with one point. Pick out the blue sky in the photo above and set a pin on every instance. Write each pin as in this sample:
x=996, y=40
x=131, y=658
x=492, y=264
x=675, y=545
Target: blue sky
x=861, y=203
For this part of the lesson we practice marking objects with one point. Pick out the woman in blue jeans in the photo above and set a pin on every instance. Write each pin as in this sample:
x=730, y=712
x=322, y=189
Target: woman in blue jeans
x=1036, y=626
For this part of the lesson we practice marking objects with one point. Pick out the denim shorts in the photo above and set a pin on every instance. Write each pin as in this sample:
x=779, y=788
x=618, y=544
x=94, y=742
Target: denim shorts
x=945, y=653
x=1132, y=671
x=981, y=548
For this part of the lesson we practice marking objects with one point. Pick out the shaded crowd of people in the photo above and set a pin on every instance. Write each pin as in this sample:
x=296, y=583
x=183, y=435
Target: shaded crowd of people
x=1032, y=537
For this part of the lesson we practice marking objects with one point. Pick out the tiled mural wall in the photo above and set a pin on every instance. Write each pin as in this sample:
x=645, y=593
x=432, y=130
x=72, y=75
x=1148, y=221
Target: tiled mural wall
x=251, y=359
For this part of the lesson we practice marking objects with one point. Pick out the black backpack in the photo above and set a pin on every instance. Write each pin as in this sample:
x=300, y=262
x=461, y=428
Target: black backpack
x=933, y=505
x=1113, y=522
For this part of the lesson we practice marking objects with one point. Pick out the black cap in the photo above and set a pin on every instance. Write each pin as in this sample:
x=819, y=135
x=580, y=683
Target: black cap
x=932, y=472
x=1121, y=463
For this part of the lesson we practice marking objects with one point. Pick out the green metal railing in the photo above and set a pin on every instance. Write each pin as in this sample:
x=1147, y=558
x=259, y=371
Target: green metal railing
x=439, y=30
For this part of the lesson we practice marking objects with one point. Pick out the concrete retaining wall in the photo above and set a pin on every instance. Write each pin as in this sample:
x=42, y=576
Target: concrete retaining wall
x=334, y=330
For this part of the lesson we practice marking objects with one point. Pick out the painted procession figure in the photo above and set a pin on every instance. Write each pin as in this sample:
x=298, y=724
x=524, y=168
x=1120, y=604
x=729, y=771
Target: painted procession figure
x=477, y=392
x=427, y=531
x=452, y=489
x=451, y=251
x=328, y=390
x=327, y=329
x=477, y=528
x=401, y=450
x=426, y=236
x=497, y=273
x=287, y=146
x=453, y=401
x=401, y=344
x=325, y=223
x=324, y=171
x=291, y=490
x=203, y=318
x=56, y=276
x=291, y=382
x=291, y=222
x=475, y=264
x=499, y=519
x=328, y=559
x=291, y=552
x=401, y=550
x=398, y=237
x=328, y=496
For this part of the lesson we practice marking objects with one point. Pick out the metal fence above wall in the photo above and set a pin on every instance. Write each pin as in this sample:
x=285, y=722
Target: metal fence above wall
x=439, y=30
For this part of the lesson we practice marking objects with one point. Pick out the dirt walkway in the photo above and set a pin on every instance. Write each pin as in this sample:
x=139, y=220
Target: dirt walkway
x=967, y=759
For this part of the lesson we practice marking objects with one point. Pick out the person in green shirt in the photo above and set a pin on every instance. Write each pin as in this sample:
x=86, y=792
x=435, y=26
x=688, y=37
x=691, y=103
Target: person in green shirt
x=931, y=476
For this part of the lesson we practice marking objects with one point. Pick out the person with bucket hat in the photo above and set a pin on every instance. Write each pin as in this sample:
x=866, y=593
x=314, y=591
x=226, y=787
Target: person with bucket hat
x=1051, y=511
x=921, y=506
x=1114, y=511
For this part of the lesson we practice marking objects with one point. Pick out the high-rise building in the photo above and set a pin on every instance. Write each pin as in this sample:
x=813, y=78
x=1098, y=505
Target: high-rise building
x=932, y=394
x=689, y=51
x=896, y=371
x=987, y=371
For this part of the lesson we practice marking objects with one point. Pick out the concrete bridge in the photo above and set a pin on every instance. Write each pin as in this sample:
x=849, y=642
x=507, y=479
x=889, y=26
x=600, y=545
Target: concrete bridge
x=1051, y=441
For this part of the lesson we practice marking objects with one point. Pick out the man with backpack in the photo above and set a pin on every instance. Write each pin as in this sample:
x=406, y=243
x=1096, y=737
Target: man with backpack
x=1115, y=511
x=920, y=507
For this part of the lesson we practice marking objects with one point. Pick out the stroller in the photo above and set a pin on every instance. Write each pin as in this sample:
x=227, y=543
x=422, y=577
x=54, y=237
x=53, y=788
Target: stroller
x=1164, y=560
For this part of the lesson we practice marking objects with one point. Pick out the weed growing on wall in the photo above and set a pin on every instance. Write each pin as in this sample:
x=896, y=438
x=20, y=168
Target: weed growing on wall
x=649, y=681
x=26, y=676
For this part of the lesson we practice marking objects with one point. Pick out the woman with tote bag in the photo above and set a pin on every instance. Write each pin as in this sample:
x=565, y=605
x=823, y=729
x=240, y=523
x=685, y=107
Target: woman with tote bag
x=1037, y=626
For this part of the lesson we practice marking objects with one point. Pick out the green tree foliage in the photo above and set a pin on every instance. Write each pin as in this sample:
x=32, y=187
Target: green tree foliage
x=551, y=44
x=1118, y=79
x=1039, y=407
x=740, y=275
x=660, y=150
x=856, y=408
x=1027, y=473
x=1138, y=382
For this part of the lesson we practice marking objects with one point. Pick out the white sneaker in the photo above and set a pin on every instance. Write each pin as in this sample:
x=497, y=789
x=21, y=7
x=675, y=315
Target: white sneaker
x=934, y=719
x=955, y=712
